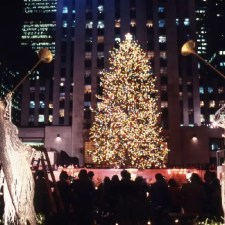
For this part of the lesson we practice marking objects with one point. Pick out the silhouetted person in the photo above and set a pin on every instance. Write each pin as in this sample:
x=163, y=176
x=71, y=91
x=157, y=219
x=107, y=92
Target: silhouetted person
x=175, y=196
x=125, y=213
x=42, y=201
x=214, y=199
x=141, y=206
x=114, y=197
x=91, y=175
x=63, y=186
x=193, y=195
x=159, y=196
x=82, y=199
x=104, y=204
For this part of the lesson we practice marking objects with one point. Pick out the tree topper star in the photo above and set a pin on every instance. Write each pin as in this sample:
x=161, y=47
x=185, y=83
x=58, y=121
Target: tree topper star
x=128, y=37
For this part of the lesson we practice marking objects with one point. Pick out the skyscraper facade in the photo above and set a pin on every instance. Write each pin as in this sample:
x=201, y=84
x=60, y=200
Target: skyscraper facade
x=7, y=85
x=85, y=33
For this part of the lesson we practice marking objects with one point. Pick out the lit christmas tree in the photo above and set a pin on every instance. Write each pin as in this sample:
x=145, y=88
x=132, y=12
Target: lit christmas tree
x=125, y=131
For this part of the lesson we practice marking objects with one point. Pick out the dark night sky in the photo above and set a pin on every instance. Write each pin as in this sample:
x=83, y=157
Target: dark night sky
x=11, y=20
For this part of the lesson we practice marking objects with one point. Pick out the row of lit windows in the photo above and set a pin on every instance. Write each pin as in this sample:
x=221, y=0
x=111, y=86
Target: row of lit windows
x=212, y=103
x=35, y=36
x=100, y=24
x=65, y=10
x=33, y=89
x=211, y=118
x=100, y=39
x=40, y=6
x=41, y=104
x=164, y=104
x=41, y=118
x=37, y=28
x=88, y=55
x=33, y=25
x=210, y=90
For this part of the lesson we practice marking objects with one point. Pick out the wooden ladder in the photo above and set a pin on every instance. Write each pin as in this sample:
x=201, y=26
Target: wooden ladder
x=44, y=161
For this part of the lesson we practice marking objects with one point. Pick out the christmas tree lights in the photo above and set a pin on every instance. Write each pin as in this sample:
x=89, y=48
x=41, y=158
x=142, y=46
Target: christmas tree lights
x=125, y=131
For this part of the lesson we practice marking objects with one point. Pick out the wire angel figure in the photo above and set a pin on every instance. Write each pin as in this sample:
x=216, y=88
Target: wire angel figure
x=18, y=181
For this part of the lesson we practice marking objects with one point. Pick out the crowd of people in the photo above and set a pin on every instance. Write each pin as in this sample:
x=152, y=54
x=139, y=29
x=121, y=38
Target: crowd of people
x=124, y=201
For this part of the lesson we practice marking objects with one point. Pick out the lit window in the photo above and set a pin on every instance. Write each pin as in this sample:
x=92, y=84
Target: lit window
x=212, y=104
x=87, y=89
x=64, y=24
x=117, y=23
x=186, y=22
x=50, y=118
x=180, y=96
x=162, y=39
x=162, y=23
x=41, y=118
x=202, y=103
x=133, y=23
x=50, y=106
x=211, y=118
x=100, y=25
x=87, y=73
x=89, y=25
x=150, y=54
x=210, y=90
x=201, y=90
x=177, y=22
x=87, y=104
x=100, y=39
x=65, y=10
x=163, y=55
x=42, y=89
x=61, y=84
x=202, y=118
x=32, y=104
x=73, y=23
x=117, y=39
x=88, y=55
x=61, y=96
x=41, y=105
x=100, y=8
x=221, y=90
x=163, y=70
x=161, y=9
x=164, y=104
x=149, y=23
x=61, y=113
x=100, y=55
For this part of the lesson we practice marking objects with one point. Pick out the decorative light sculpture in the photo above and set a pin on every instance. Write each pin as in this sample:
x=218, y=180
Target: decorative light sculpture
x=187, y=49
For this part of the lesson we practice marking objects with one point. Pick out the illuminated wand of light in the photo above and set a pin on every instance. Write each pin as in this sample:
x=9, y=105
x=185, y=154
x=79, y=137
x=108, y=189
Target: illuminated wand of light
x=45, y=56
